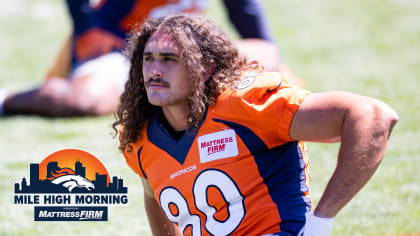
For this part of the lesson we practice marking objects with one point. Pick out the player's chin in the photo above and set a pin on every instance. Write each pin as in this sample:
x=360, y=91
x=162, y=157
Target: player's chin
x=157, y=99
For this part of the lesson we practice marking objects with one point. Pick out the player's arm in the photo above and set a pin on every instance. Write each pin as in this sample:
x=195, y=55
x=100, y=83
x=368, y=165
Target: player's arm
x=363, y=126
x=158, y=221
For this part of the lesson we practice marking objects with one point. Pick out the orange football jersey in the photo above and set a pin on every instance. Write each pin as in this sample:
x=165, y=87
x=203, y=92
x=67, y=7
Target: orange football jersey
x=239, y=172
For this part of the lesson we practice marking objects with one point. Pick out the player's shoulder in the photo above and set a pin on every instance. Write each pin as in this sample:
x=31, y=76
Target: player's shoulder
x=255, y=84
x=256, y=91
x=142, y=138
x=250, y=80
x=240, y=98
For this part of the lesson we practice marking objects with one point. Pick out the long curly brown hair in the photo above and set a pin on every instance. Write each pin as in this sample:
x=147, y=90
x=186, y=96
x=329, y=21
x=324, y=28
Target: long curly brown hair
x=204, y=47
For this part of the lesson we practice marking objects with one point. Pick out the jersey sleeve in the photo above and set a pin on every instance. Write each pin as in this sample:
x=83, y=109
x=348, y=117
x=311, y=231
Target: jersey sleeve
x=132, y=159
x=282, y=106
x=266, y=104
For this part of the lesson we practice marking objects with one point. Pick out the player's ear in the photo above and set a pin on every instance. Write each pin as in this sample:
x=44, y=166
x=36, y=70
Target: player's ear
x=209, y=73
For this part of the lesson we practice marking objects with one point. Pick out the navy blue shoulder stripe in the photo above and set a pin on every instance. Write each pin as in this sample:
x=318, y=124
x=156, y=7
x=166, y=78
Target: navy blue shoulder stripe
x=254, y=143
x=138, y=157
x=282, y=170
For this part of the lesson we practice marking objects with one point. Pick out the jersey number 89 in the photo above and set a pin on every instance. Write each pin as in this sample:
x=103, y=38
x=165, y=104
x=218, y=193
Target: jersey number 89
x=206, y=179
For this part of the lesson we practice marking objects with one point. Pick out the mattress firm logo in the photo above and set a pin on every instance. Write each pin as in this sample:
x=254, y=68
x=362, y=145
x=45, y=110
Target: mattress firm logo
x=70, y=185
x=217, y=145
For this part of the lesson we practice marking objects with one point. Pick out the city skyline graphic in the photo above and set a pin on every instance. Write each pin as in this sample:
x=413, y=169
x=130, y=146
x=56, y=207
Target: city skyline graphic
x=76, y=178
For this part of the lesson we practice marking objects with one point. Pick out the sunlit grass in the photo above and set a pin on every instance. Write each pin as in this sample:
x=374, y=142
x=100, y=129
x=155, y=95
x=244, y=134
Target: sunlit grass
x=366, y=47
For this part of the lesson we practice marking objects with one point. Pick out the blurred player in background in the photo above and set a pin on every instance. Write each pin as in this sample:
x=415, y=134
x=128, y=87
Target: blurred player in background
x=218, y=143
x=90, y=71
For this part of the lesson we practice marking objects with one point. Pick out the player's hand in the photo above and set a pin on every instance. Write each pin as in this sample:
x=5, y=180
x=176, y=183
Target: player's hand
x=316, y=226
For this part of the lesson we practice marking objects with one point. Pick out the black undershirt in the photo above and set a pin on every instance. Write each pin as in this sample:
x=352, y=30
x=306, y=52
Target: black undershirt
x=168, y=128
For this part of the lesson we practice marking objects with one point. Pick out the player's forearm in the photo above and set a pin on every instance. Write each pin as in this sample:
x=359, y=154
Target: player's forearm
x=365, y=133
x=159, y=223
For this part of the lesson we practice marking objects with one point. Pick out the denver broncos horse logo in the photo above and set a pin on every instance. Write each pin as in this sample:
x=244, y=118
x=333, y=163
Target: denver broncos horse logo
x=68, y=179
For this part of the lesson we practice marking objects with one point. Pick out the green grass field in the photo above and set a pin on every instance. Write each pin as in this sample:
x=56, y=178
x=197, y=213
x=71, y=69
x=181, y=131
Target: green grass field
x=367, y=47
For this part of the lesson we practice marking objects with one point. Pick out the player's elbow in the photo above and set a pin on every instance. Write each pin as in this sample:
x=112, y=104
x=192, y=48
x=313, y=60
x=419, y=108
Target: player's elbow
x=373, y=119
x=383, y=119
x=384, y=116
x=369, y=125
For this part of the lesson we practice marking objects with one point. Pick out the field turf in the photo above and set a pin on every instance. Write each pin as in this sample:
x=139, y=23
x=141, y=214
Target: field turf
x=367, y=47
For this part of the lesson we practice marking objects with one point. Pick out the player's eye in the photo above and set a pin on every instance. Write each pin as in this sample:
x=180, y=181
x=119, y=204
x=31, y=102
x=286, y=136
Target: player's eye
x=169, y=59
x=148, y=58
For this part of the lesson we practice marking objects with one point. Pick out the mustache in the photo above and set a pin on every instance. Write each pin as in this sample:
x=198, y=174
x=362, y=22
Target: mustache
x=156, y=80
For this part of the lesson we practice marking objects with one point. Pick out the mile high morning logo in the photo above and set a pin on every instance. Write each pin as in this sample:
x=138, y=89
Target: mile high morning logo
x=70, y=185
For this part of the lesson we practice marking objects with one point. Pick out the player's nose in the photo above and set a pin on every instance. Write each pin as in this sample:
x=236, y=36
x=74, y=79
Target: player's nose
x=155, y=70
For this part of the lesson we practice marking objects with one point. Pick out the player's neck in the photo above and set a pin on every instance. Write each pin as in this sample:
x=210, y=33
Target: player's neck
x=177, y=116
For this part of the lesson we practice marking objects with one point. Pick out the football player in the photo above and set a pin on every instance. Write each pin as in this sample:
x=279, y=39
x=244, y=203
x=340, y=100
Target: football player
x=219, y=142
x=95, y=69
